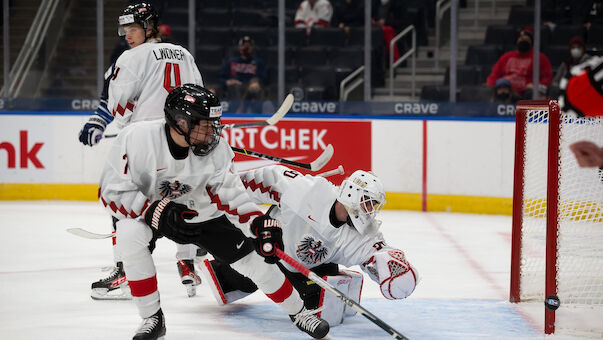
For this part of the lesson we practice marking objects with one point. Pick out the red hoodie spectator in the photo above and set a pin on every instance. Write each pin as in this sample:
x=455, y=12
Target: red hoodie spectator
x=517, y=66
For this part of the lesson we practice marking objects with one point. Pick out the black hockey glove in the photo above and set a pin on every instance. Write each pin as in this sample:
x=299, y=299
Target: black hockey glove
x=169, y=218
x=269, y=236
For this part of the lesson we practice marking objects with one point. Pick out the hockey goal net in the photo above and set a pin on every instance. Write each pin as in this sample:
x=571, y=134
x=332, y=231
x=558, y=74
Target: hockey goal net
x=557, y=235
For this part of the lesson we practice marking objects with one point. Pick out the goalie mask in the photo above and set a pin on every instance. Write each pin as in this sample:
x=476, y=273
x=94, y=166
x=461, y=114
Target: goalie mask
x=363, y=196
x=142, y=13
x=194, y=112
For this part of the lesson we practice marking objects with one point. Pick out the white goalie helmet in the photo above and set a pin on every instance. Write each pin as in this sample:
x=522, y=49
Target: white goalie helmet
x=363, y=197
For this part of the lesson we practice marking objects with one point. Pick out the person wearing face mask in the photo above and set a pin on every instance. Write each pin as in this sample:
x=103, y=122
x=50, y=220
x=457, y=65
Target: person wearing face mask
x=237, y=72
x=503, y=93
x=517, y=66
x=577, y=56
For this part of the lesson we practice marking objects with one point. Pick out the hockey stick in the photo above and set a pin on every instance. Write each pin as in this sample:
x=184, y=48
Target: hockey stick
x=338, y=171
x=276, y=117
x=315, y=165
x=328, y=287
x=88, y=234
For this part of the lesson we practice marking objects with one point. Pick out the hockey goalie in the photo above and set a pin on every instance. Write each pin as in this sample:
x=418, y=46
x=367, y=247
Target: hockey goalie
x=324, y=226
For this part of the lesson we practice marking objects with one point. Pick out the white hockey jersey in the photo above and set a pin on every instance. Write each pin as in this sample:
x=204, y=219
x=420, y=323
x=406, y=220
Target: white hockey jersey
x=307, y=16
x=140, y=169
x=144, y=76
x=303, y=204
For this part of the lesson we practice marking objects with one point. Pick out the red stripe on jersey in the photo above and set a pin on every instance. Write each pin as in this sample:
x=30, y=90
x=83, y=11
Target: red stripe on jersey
x=144, y=287
x=275, y=195
x=121, y=110
x=282, y=293
x=104, y=202
x=123, y=210
x=322, y=23
x=99, y=192
x=113, y=206
x=226, y=208
x=113, y=239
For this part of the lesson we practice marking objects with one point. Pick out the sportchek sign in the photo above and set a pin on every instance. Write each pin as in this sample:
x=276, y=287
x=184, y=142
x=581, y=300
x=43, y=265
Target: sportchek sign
x=303, y=141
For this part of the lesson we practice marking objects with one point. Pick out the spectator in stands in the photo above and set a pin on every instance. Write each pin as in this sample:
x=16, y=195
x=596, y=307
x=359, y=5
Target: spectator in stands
x=255, y=99
x=166, y=33
x=387, y=14
x=349, y=13
x=312, y=13
x=517, y=66
x=503, y=93
x=237, y=72
x=577, y=54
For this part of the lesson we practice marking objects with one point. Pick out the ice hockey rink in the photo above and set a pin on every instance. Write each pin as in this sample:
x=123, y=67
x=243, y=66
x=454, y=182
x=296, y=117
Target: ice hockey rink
x=463, y=261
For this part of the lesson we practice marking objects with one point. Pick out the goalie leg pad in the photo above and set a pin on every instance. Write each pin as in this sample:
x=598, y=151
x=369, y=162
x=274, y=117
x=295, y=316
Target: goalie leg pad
x=217, y=277
x=354, y=290
x=332, y=307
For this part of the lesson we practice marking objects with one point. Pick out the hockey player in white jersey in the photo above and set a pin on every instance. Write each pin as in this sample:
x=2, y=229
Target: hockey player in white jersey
x=141, y=80
x=175, y=178
x=323, y=225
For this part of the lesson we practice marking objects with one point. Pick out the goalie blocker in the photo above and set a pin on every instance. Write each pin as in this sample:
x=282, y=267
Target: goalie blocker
x=397, y=279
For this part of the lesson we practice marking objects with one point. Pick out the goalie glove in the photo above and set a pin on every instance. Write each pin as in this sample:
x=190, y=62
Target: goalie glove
x=396, y=277
x=92, y=131
x=169, y=218
x=269, y=236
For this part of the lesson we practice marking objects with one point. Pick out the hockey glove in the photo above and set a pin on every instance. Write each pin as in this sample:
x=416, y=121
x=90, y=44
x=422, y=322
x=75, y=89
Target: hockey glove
x=170, y=219
x=92, y=132
x=269, y=236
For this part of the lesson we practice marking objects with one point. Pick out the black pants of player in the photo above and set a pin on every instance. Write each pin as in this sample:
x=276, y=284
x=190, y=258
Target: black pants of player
x=308, y=290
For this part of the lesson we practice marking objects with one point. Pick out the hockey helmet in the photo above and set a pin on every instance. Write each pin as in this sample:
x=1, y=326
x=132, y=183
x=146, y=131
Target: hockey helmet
x=142, y=14
x=194, y=104
x=363, y=196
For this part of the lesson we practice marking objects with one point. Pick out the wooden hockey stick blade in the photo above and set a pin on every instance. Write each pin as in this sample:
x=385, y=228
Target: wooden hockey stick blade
x=318, y=163
x=348, y=301
x=88, y=234
x=338, y=171
x=276, y=117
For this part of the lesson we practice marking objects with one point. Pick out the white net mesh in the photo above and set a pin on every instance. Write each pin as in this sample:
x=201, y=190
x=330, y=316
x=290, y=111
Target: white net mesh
x=580, y=214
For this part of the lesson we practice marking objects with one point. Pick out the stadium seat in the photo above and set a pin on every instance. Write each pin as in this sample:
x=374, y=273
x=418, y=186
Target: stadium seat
x=319, y=82
x=347, y=57
x=262, y=36
x=329, y=36
x=563, y=33
x=248, y=17
x=270, y=55
x=500, y=35
x=210, y=54
x=215, y=36
x=595, y=35
x=435, y=93
x=465, y=75
x=291, y=75
x=215, y=17
x=556, y=55
x=357, y=37
x=482, y=55
x=311, y=56
x=475, y=94
x=210, y=73
x=521, y=16
x=295, y=36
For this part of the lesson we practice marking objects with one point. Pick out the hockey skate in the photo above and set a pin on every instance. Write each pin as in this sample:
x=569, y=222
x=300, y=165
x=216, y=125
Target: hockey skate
x=220, y=290
x=189, y=278
x=307, y=321
x=152, y=328
x=113, y=287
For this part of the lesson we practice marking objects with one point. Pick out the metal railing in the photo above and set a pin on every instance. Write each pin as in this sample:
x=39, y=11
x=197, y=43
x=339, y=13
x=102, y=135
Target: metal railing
x=345, y=91
x=441, y=7
x=409, y=53
x=30, y=48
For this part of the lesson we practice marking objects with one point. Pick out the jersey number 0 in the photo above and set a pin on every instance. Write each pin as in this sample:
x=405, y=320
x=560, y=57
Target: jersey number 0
x=167, y=76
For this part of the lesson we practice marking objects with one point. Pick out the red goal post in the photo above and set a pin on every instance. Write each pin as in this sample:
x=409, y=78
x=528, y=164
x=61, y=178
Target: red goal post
x=557, y=235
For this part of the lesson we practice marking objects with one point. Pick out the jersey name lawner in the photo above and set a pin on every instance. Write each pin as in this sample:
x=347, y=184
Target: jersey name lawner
x=168, y=53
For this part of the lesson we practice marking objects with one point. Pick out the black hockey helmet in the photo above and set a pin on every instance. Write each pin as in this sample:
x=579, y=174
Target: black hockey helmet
x=142, y=14
x=193, y=104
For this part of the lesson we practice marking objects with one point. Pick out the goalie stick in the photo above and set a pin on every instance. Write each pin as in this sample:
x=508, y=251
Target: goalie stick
x=328, y=287
x=88, y=234
x=315, y=165
x=338, y=171
x=275, y=118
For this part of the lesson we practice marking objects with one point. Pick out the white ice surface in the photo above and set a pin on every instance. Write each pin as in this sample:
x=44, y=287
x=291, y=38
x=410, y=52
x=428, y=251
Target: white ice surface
x=463, y=261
